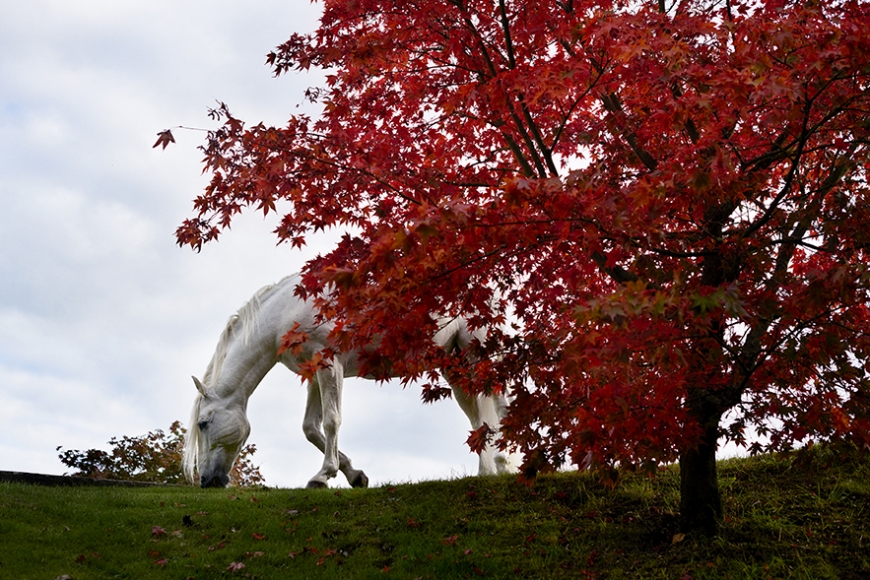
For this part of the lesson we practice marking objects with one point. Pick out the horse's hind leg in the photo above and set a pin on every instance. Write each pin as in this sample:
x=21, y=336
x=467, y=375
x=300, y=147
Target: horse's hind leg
x=507, y=461
x=311, y=425
x=480, y=410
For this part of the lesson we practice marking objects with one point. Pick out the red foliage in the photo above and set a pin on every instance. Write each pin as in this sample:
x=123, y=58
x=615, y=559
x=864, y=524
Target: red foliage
x=670, y=199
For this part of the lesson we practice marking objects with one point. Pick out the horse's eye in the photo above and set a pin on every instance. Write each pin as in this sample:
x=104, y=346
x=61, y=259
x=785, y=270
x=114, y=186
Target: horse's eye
x=202, y=425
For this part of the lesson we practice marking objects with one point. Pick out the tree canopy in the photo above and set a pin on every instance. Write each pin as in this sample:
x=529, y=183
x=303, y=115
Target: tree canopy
x=659, y=210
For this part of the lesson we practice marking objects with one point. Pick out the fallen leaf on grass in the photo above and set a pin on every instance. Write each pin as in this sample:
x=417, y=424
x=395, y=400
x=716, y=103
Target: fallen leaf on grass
x=235, y=566
x=590, y=561
x=158, y=532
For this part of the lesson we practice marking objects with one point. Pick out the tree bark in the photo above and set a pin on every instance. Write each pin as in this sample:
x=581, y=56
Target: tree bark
x=700, y=500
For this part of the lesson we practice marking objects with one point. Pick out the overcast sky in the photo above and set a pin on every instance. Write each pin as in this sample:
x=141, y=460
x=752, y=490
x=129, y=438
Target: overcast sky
x=102, y=317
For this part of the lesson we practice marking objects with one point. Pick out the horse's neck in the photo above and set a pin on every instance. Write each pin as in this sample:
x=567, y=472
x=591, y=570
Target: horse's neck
x=243, y=369
x=250, y=354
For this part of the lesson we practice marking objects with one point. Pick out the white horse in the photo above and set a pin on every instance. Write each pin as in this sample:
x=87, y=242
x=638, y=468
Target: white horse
x=248, y=349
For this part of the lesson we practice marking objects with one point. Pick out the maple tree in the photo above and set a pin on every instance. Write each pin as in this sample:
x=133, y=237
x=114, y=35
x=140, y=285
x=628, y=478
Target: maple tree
x=657, y=208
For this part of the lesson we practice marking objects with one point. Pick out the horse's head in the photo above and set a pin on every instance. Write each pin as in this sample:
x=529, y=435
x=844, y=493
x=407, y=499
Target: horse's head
x=218, y=429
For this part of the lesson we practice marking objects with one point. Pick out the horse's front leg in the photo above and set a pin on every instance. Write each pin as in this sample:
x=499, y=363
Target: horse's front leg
x=324, y=412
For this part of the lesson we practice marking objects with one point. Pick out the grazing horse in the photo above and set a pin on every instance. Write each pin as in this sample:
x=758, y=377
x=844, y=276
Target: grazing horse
x=248, y=349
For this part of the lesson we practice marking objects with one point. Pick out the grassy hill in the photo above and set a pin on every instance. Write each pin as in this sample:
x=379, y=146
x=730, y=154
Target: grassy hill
x=805, y=515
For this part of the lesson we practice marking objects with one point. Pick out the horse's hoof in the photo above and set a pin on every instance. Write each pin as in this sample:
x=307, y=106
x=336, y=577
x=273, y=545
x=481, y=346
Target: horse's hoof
x=360, y=480
x=316, y=485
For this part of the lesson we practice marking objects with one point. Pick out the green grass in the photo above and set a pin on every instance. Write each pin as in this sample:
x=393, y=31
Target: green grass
x=805, y=515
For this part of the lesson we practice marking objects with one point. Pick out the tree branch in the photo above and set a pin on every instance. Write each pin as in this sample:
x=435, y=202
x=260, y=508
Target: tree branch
x=507, y=34
x=618, y=273
x=536, y=133
x=612, y=105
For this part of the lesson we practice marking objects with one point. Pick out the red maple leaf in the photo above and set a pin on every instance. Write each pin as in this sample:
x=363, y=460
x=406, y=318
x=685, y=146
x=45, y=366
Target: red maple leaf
x=432, y=393
x=293, y=341
x=479, y=438
x=450, y=540
x=164, y=138
x=158, y=532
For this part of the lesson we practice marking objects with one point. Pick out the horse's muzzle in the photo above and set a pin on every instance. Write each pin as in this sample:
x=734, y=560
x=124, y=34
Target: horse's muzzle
x=214, y=480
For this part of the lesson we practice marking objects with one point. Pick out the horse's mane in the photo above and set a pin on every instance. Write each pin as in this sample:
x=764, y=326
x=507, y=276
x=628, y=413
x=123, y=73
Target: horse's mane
x=191, y=443
x=246, y=317
x=244, y=320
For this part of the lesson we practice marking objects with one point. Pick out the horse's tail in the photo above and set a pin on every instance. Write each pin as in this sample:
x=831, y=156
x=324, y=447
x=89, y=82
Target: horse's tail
x=191, y=444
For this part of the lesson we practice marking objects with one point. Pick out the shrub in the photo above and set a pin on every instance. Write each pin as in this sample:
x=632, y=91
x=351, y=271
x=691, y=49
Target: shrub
x=154, y=457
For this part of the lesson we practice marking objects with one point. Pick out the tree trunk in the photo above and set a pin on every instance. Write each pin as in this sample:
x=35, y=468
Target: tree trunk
x=700, y=500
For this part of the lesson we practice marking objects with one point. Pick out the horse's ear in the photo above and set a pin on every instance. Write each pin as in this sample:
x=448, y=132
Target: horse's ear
x=199, y=386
